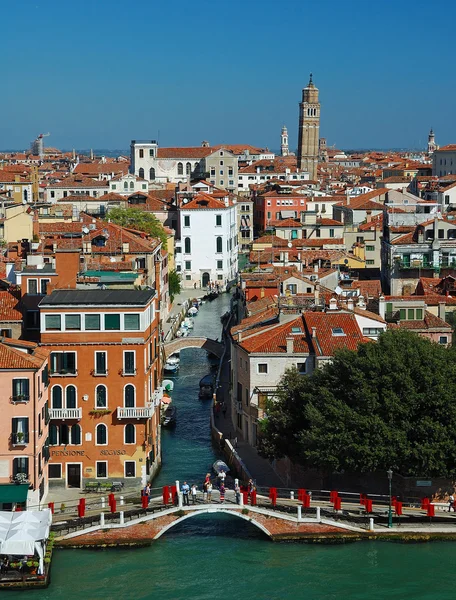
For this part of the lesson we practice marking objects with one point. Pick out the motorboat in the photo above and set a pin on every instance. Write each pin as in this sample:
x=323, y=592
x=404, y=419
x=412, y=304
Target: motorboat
x=219, y=466
x=171, y=368
x=169, y=416
x=193, y=311
x=187, y=323
x=206, y=386
x=168, y=385
x=173, y=359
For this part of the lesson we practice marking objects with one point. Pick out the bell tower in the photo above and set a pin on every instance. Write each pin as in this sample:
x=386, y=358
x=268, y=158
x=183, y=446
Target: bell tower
x=309, y=130
x=431, y=146
x=284, y=142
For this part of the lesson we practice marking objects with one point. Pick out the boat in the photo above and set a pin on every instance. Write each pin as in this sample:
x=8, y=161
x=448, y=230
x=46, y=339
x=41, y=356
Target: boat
x=219, y=466
x=214, y=360
x=173, y=359
x=193, y=311
x=170, y=368
x=187, y=323
x=169, y=416
x=206, y=386
x=168, y=385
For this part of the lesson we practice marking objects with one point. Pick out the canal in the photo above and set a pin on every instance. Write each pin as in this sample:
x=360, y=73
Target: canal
x=210, y=556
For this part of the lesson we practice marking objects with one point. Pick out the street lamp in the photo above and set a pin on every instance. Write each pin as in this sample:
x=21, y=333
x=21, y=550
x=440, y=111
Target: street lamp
x=390, y=514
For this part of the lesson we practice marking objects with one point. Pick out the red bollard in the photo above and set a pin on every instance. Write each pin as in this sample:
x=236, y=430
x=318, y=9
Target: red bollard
x=398, y=508
x=301, y=494
x=165, y=494
x=337, y=503
x=82, y=502
x=368, y=505
x=111, y=497
x=431, y=510
x=362, y=499
x=51, y=506
x=393, y=500
x=81, y=508
x=253, y=498
x=174, y=494
x=425, y=503
x=113, y=505
x=144, y=501
x=245, y=497
x=306, y=501
x=272, y=492
x=333, y=495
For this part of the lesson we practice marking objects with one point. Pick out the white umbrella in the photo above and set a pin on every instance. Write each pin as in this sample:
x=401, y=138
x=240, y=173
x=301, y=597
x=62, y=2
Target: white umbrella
x=27, y=516
x=18, y=542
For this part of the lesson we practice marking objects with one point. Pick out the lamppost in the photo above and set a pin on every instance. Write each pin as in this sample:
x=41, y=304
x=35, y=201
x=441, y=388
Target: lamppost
x=390, y=514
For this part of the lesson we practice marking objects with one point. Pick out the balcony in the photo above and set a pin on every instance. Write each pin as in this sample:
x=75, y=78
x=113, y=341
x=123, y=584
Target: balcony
x=62, y=414
x=20, y=398
x=64, y=373
x=137, y=412
x=19, y=439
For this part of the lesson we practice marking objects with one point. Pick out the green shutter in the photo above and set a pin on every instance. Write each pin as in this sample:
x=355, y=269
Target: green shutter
x=419, y=314
x=112, y=322
x=402, y=314
x=92, y=322
x=131, y=322
x=72, y=321
x=53, y=322
x=410, y=314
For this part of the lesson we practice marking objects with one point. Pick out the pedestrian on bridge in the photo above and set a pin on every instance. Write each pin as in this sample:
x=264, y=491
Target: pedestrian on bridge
x=237, y=491
x=222, y=493
x=185, y=492
x=451, y=503
x=194, y=488
x=209, y=492
x=205, y=491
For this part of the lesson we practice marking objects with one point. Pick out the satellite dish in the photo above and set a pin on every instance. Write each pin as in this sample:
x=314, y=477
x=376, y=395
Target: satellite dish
x=184, y=201
x=290, y=245
x=85, y=230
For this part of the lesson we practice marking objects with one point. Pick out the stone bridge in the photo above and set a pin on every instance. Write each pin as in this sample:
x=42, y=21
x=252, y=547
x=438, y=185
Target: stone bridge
x=207, y=344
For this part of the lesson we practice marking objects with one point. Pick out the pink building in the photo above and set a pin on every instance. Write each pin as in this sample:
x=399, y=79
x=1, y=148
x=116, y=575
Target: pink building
x=24, y=447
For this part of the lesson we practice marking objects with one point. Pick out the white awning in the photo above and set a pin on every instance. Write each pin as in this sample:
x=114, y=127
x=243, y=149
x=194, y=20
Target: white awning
x=24, y=532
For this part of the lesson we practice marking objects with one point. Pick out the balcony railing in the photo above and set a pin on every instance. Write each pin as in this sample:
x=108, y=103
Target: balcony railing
x=415, y=264
x=137, y=412
x=65, y=413
x=20, y=398
x=64, y=373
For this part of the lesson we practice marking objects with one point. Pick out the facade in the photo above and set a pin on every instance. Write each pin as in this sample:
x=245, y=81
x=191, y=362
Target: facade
x=444, y=160
x=309, y=130
x=208, y=248
x=245, y=224
x=284, y=150
x=24, y=450
x=104, y=374
x=75, y=185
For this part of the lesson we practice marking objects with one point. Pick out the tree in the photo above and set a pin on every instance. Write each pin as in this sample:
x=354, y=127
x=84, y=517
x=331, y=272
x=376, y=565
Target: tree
x=140, y=220
x=174, y=282
x=390, y=404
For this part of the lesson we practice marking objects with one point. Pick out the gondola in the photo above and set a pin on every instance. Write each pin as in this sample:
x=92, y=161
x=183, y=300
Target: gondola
x=206, y=386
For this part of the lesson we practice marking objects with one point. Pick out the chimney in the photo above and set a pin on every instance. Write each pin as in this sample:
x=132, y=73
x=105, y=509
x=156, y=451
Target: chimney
x=239, y=336
x=368, y=216
x=361, y=303
x=333, y=304
x=381, y=306
x=350, y=303
x=314, y=332
x=316, y=268
x=227, y=201
x=125, y=248
x=290, y=344
x=317, y=293
x=442, y=311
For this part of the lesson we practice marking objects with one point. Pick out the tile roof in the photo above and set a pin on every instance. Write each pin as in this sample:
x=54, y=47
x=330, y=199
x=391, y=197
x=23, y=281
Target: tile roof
x=203, y=201
x=9, y=307
x=197, y=152
x=326, y=342
x=10, y=358
x=273, y=339
x=255, y=320
x=429, y=322
x=447, y=148
x=107, y=168
x=78, y=182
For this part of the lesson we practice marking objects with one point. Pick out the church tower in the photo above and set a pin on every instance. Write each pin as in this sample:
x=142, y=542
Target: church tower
x=284, y=142
x=309, y=130
x=432, y=146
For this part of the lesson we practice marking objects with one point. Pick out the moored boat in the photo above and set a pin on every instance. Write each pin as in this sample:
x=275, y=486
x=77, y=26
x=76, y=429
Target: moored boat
x=171, y=368
x=206, y=386
x=169, y=416
x=219, y=466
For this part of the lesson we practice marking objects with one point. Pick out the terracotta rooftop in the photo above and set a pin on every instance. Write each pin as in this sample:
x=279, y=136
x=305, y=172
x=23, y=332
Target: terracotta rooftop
x=10, y=358
x=9, y=307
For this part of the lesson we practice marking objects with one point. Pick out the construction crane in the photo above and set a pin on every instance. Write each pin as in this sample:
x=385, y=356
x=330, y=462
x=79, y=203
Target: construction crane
x=38, y=146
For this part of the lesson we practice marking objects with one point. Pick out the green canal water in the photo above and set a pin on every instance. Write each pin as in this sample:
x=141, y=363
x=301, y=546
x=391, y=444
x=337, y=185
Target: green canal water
x=219, y=556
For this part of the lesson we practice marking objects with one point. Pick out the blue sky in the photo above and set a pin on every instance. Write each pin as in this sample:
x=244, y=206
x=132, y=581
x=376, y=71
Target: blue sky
x=99, y=73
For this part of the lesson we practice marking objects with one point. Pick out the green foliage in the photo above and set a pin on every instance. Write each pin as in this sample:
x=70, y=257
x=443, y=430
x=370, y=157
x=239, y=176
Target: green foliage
x=390, y=404
x=174, y=282
x=140, y=220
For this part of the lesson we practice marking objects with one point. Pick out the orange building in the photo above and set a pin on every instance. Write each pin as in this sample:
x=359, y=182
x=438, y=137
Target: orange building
x=104, y=402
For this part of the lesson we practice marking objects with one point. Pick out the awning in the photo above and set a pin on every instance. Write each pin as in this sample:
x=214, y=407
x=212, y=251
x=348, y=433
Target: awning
x=12, y=492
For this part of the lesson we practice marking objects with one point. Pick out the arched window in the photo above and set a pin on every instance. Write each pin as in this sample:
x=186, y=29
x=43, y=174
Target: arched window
x=101, y=434
x=187, y=245
x=76, y=437
x=188, y=168
x=70, y=393
x=129, y=396
x=141, y=173
x=180, y=169
x=151, y=174
x=64, y=434
x=56, y=397
x=125, y=185
x=129, y=434
x=53, y=435
x=101, y=400
x=132, y=185
x=219, y=244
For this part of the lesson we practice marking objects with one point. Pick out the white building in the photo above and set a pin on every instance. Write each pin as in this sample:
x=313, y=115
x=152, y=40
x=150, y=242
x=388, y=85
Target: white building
x=208, y=247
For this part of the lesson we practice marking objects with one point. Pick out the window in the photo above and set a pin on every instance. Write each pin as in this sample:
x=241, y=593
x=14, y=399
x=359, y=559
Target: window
x=52, y=322
x=187, y=221
x=101, y=363
x=410, y=314
x=32, y=286
x=220, y=277
x=101, y=469
x=443, y=339
x=141, y=153
x=221, y=163
x=262, y=368
x=180, y=168
x=219, y=244
x=188, y=265
x=372, y=331
x=73, y=322
x=301, y=368
x=129, y=363
x=63, y=363
x=402, y=314
x=130, y=434
x=70, y=393
x=220, y=264
x=188, y=169
x=101, y=397
x=20, y=390
x=20, y=430
x=131, y=322
x=441, y=234
x=130, y=468
x=419, y=314
x=331, y=233
x=56, y=397
x=53, y=435
x=112, y=322
x=92, y=322
x=129, y=396
x=55, y=471
x=187, y=245
x=76, y=436
x=370, y=248
x=218, y=220
x=21, y=465
x=140, y=174
x=338, y=331
x=221, y=172
x=43, y=285
x=369, y=261
x=125, y=185
x=151, y=172
x=101, y=434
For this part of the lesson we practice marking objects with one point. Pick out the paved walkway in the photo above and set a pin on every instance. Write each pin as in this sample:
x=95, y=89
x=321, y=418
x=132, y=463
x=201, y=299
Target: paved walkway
x=177, y=306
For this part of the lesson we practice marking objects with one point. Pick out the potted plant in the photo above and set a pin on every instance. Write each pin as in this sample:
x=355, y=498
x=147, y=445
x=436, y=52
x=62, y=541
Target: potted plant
x=19, y=437
x=62, y=507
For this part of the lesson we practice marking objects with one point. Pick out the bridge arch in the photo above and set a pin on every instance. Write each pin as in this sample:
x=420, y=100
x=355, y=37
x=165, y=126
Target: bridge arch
x=207, y=344
x=234, y=513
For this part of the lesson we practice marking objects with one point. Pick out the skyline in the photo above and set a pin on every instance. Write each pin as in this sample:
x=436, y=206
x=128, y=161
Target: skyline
x=214, y=76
